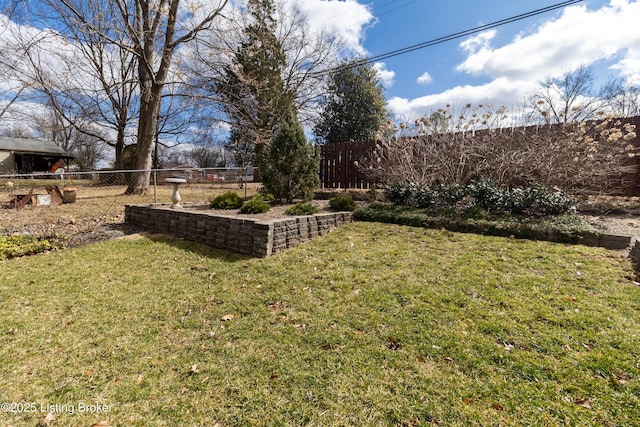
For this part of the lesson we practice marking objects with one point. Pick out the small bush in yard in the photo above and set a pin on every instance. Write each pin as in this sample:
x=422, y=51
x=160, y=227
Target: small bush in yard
x=342, y=203
x=399, y=194
x=301, y=209
x=228, y=200
x=255, y=205
x=266, y=196
x=25, y=244
x=486, y=195
x=289, y=165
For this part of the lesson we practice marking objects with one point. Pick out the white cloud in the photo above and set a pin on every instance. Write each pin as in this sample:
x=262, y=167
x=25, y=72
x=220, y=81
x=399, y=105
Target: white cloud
x=424, y=79
x=629, y=66
x=499, y=92
x=577, y=37
x=387, y=76
x=345, y=19
x=478, y=43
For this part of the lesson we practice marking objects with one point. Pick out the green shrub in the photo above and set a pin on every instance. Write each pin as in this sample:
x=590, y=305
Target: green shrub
x=487, y=195
x=228, y=200
x=399, y=194
x=26, y=244
x=266, y=196
x=255, y=205
x=424, y=196
x=289, y=165
x=301, y=209
x=534, y=201
x=449, y=195
x=475, y=212
x=549, y=202
x=559, y=228
x=342, y=203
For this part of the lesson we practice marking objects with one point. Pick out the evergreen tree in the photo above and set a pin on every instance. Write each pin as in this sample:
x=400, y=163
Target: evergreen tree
x=291, y=167
x=253, y=91
x=354, y=108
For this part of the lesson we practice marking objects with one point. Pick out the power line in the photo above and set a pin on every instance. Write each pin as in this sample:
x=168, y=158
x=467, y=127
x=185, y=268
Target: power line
x=449, y=37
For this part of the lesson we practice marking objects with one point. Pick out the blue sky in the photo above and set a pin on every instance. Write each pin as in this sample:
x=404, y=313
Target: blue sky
x=500, y=66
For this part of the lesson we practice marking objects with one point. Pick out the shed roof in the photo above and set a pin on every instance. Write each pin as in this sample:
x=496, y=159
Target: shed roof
x=37, y=146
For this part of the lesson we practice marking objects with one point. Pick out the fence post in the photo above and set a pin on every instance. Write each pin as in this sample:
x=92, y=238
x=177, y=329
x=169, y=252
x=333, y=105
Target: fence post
x=155, y=190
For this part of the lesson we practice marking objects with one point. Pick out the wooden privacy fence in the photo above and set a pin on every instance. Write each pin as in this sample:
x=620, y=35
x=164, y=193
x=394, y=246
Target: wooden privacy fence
x=337, y=168
x=339, y=161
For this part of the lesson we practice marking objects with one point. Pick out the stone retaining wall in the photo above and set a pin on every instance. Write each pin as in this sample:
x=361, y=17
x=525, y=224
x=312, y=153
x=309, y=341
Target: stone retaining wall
x=245, y=236
x=607, y=241
x=634, y=255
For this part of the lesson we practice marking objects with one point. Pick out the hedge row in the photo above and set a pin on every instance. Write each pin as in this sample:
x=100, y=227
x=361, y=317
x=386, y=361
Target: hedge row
x=536, y=201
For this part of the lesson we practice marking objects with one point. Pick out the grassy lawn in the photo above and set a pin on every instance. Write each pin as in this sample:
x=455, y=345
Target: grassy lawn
x=372, y=324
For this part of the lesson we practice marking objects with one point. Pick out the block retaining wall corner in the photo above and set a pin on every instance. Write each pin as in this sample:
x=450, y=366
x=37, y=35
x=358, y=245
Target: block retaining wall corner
x=258, y=238
x=607, y=241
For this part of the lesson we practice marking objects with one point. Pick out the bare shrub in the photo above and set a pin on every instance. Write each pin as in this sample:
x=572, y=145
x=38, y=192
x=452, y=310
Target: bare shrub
x=591, y=157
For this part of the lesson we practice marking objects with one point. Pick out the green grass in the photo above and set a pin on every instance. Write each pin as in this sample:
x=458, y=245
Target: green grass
x=372, y=324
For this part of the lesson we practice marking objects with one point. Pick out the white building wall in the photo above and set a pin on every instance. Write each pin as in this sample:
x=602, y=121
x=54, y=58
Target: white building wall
x=7, y=162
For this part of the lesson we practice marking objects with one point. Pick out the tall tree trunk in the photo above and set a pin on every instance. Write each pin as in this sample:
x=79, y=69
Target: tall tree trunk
x=150, y=100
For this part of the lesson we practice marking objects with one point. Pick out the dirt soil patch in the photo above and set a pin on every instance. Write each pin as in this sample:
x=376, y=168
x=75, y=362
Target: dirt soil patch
x=611, y=214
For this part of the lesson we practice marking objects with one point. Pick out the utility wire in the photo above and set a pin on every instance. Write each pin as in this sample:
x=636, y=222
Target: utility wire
x=447, y=38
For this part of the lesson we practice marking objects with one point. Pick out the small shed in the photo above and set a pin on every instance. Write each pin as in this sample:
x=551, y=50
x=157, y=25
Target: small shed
x=21, y=155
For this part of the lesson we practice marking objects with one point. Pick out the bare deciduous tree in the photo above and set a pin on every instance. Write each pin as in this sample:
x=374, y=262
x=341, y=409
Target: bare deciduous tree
x=623, y=98
x=305, y=54
x=568, y=99
x=150, y=31
x=10, y=56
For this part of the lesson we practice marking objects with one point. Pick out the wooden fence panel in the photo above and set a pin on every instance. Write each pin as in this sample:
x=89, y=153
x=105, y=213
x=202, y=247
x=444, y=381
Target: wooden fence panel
x=337, y=165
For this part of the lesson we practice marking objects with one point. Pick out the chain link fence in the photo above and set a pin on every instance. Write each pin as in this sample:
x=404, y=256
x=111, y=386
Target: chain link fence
x=45, y=202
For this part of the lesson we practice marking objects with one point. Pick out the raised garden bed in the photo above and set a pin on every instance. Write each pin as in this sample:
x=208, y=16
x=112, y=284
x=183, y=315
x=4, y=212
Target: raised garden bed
x=255, y=236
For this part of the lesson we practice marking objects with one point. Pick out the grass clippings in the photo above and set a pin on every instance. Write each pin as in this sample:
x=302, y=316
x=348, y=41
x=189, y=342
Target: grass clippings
x=372, y=324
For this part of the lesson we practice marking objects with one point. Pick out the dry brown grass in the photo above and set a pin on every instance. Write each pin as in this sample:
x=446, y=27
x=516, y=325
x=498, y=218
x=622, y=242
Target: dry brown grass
x=95, y=207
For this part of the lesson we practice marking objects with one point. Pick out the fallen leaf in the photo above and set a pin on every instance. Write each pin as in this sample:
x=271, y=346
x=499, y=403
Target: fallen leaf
x=194, y=370
x=49, y=419
x=393, y=344
x=449, y=359
x=227, y=317
x=497, y=407
x=139, y=379
x=328, y=346
x=104, y=423
x=302, y=326
x=585, y=403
